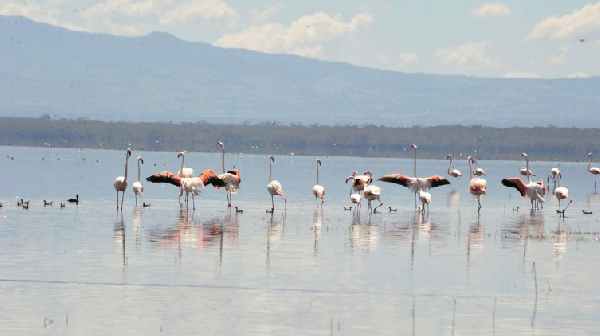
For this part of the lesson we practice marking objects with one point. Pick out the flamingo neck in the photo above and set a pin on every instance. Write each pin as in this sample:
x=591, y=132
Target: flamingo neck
x=450, y=164
x=589, y=164
x=317, y=173
x=415, y=162
x=270, y=170
x=470, y=171
x=181, y=169
x=126, y=164
x=139, y=171
x=223, y=160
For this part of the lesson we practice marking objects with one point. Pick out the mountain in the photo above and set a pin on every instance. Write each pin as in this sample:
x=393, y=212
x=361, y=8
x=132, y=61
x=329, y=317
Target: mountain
x=47, y=70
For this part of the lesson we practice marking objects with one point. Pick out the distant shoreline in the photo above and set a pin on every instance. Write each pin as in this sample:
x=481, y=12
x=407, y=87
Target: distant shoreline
x=435, y=142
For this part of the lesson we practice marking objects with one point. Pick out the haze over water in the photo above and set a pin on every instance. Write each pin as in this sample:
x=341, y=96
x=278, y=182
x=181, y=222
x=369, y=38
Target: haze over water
x=89, y=270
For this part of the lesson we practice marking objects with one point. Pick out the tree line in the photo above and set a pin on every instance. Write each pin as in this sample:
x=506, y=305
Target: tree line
x=541, y=143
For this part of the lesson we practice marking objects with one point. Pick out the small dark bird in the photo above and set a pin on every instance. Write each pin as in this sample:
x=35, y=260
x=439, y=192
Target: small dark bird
x=392, y=210
x=516, y=209
x=581, y=40
x=74, y=200
x=269, y=211
x=145, y=205
x=62, y=205
x=26, y=206
x=586, y=212
x=348, y=208
x=1, y=205
x=46, y=203
x=238, y=210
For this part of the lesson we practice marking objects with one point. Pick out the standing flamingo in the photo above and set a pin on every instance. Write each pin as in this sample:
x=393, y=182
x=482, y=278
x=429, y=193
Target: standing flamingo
x=415, y=183
x=477, y=185
x=231, y=178
x=120, y=183
x=318, y=190
x=554, y=175
x=274, y=187
x=371, y=192
x=593, y=170
x=452, y=172
x=425, y=198
x=534, y=190
x=358, y=181
x=354, y=198
x=138, y=188
x=561, y=193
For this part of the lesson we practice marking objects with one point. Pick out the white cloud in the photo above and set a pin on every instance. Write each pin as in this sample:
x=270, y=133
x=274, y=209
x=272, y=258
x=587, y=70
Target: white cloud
x=580, y=23
x=472, y=55
x=37, y=12
x=308, y=36
x=579, y=74
x=518, y=74
x=408, y=58
x=491, y=9
x=561, y=58
x=265, y=15
x=130, y=17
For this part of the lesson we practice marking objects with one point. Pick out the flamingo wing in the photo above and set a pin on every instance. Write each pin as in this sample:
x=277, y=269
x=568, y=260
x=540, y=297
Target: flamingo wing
x=209, y=176
x=437, y=181
x=165, y=177
x=515, y=182
x=400, y=179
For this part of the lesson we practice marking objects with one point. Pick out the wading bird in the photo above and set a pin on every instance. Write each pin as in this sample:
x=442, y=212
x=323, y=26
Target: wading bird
x=562, y=193
x=138, y=188
x=425, y=198
x=274, y=187
x=231, y=178
x=371, y=192
x=534, y=190
x=354, y=198
x=554, y=175
x=120, y=183
x=477, y=185
x=594, y=170
x=318, y=190
x=451, y=171
x=415, y=183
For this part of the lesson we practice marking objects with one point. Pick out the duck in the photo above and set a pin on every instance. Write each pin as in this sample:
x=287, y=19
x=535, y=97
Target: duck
x=47, y=203
x=238, y=210
x=74, y=200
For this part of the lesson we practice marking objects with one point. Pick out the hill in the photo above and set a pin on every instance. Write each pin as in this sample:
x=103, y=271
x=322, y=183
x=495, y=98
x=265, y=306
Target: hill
x=46, y=70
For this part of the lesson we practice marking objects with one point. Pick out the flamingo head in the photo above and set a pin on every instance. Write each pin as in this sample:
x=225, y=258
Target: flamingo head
x=368, y=173
x=449, y=156
x=590, y=154
x=471, y=159
x=319, y=162
x=524, y=154
x=272, y=158
x=413, y=146
x=140, y=159
x=180, y=154
x=128, y=152
x=220, y=144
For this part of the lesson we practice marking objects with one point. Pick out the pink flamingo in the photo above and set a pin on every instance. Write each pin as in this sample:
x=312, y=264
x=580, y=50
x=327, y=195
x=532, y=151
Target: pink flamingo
x=274, y=187
x=138, y=188
x=534, y=190
x=120, y=183
x=318, y=190
x=477, y=185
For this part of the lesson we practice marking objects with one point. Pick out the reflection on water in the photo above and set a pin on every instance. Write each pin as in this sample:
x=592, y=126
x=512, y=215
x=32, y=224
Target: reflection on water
x=275, y=231
x=593, y=198
x=452, y=197
x=363, y=233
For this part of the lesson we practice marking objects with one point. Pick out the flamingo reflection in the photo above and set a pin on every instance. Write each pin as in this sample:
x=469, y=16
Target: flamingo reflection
x=275, y=231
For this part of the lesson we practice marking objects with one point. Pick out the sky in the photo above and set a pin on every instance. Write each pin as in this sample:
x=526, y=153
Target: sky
x=510, y=39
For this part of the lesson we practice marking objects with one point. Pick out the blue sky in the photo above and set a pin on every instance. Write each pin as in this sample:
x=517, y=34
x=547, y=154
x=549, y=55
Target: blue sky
x=531, y=39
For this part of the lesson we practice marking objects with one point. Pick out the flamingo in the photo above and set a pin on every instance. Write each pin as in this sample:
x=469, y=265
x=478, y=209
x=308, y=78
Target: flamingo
x=593, y=170
x=354, y=198
x=425, y=198
x=120, y=183
x=477, y=185
x=526, y=171
x=358, y=181
x=371, y=192
x=415, y=183
x=452, y=172
x=188, y=184
x=184, y=171
x=138, y=188
x=562, y=193
x=554, y=174
x=534, y=190
x=318, y=190
x=231, y=178
x=274, y=187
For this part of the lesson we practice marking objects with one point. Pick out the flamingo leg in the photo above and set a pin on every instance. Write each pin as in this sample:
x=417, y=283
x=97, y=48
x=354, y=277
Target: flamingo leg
x=272, y=203
x=122, y=197
x=117, y=200
x=380, y=204
x=193, y=202
x=478, y=203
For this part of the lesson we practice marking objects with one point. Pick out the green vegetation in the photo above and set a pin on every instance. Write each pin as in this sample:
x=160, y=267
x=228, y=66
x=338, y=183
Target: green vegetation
x=541, y=143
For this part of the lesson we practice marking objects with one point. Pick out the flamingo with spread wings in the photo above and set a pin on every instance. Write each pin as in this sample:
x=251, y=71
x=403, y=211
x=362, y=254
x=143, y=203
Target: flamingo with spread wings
x=415, y=183
x=534, y=190
x=477, y=185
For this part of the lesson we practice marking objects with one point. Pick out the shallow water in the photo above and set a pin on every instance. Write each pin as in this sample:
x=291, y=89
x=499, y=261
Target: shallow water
x=88, y=269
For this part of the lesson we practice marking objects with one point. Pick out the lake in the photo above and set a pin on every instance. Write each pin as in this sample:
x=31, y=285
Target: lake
x=89, y=269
